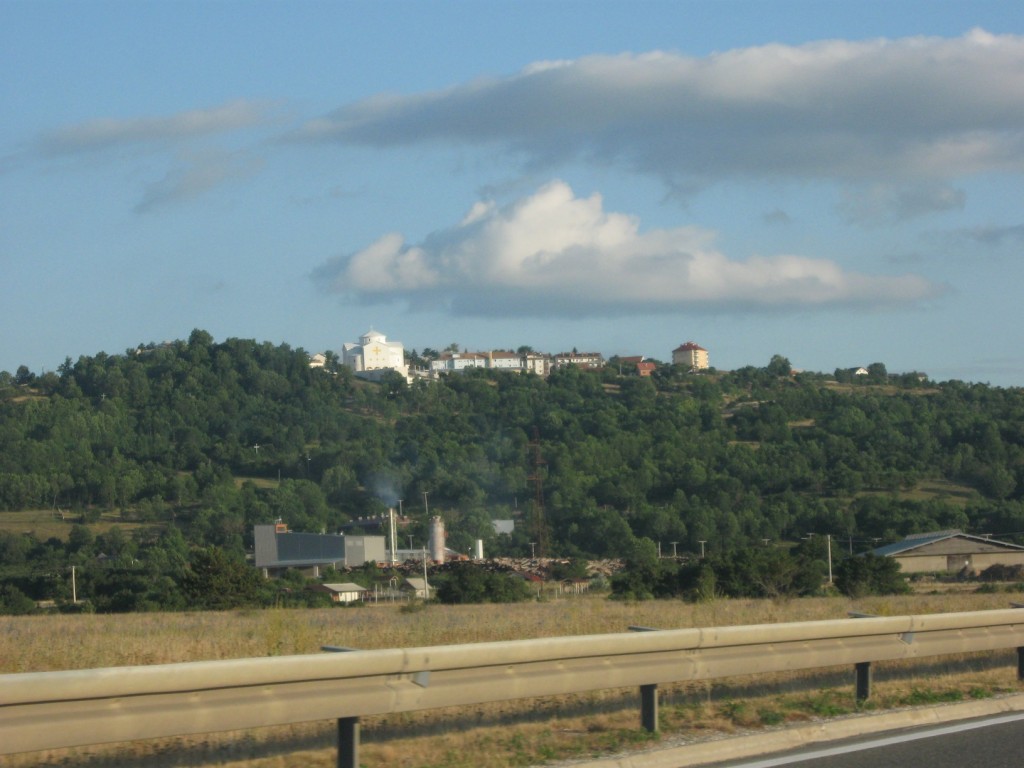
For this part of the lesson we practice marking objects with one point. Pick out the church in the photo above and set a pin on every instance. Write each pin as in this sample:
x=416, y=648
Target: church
x=374, y=356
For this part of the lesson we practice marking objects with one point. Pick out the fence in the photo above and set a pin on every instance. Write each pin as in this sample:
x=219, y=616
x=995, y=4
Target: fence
x=49, y=710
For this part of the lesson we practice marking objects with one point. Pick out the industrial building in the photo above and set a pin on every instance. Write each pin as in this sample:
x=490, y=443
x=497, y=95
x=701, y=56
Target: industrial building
x=950, y=551
x=278, y=549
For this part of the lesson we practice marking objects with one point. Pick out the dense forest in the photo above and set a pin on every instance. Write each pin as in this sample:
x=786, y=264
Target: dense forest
x=191, y=443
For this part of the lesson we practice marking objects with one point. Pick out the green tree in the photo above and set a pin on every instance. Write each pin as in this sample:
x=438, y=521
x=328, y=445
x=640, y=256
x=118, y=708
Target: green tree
x=470, y=583
x=218, y=582
x=870, y=575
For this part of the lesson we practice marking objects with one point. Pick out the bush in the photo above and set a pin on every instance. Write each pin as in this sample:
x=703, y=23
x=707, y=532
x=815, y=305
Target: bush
x=469, y=583
x=870, y=575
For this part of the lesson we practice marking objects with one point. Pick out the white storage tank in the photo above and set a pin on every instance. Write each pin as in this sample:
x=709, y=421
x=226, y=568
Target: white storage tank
x=437, y=539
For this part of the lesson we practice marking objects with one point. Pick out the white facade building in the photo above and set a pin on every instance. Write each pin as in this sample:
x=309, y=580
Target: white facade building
x=692, y=355
x=374, y=355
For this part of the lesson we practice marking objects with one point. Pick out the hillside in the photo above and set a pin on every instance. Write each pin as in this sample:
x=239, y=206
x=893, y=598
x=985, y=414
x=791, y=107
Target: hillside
x=189, y=444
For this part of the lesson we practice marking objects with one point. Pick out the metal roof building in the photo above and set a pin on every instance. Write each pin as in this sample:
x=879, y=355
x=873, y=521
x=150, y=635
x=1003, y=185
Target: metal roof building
x=277, y=549
x=950, y=551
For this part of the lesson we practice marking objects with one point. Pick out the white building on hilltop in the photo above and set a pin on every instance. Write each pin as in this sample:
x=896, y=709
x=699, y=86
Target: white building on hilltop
x=692, y=355
x=374, y=356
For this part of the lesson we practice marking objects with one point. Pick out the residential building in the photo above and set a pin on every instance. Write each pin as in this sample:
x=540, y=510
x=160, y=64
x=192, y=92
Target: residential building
x=454, y=362
x=502, y=360
x=637, y=364
x=589, y=360
x=534, y=362
x=417, y=587
x=691, y=355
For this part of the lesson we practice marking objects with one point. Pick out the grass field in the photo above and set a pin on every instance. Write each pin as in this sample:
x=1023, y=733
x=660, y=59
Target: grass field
x=510, y=734
x=46, y=524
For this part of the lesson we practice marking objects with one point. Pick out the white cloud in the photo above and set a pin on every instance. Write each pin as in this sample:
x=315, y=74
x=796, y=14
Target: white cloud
x=897, y=110
x=555, y=254
x=105, y=133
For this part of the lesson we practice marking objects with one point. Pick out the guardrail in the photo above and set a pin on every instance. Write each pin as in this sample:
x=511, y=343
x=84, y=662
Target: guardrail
x=49, y=710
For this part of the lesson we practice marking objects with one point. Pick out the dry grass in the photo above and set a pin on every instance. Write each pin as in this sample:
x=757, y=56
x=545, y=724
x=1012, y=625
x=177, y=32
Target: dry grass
x=512, y=733
x=45, y=523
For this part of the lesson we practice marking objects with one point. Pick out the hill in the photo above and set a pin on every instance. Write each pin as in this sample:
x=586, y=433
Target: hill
x=194, y=442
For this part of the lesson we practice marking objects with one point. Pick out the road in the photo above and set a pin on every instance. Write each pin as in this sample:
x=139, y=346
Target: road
x=991, y=742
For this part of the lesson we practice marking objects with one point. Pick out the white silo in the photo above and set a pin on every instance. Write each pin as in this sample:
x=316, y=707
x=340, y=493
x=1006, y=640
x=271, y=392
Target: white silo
x=478, y=550
x=437, y=539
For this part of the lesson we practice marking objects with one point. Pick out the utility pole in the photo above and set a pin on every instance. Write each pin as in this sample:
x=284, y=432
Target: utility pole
x=702, y=542
x=830, y=558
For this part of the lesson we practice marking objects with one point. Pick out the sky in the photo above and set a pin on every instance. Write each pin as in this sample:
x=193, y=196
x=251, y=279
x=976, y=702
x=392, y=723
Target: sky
x=841, y=183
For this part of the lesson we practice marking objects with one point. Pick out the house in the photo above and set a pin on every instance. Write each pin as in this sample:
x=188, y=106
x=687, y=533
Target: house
x=637, y=364
x=417, y=587
x=453, y=362
x=375, y=356
x=346, y=592
x=950, y=551
x=278, y=549
x=690, y=355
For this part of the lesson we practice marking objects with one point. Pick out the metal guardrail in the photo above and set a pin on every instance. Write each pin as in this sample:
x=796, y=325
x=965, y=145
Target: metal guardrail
x=49, y=710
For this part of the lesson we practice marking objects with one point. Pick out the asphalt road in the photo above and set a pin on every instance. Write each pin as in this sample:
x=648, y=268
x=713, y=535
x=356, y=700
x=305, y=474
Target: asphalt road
x=992, y=742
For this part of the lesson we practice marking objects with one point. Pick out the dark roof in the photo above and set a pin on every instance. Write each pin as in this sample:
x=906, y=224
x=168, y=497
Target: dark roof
x=917, y=540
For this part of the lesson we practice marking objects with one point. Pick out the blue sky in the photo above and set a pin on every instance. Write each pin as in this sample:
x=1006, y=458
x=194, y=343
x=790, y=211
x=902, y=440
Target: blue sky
x=840, y=183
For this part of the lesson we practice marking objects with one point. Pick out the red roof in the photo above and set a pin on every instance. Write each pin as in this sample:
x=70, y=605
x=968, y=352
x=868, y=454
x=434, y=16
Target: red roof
x=690, y=347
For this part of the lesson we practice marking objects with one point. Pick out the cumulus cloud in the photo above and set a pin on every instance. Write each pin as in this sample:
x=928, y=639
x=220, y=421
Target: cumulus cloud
x=555, y=254
x=106, y=133
x=902, y=110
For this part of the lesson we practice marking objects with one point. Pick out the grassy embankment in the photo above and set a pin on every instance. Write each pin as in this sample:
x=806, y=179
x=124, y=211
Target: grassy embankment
x=510, y=734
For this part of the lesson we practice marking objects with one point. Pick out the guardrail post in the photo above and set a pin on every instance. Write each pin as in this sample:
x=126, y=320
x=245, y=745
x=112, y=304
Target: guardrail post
x=863, y=668
x=348, y=742
x=649, y=708
x=863, y=681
